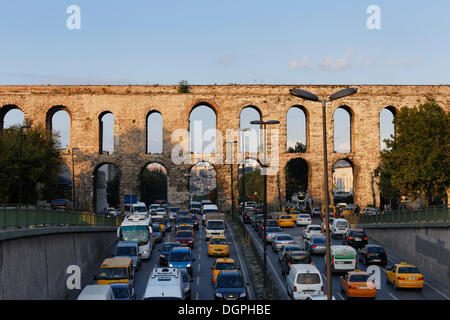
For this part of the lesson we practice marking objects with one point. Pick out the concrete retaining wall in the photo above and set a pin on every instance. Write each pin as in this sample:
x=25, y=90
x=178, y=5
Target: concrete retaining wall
x=426, y=247
x=34, y=267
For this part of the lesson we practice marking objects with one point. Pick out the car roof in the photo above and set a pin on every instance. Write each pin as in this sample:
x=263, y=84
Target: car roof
x=404, y=264
x=230, y=273
x=94, y=290
x=225, y=260
x=305, y=267
x=180, y=249
x=358, y=272
x=127, y=243
x=117, y=262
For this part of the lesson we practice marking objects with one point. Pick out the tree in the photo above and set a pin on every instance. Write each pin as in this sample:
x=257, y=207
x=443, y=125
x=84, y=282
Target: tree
x=296, y=177
x=40, y=164
x=153, y=186
x=183, y=87
x=387, y=190
x=299, y=148
x=253, y=183
x=417, y=159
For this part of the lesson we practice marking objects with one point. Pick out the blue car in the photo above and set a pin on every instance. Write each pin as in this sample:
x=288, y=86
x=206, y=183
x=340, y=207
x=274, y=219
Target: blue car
x=123, y=291
x=230, y=286
x=181, y=258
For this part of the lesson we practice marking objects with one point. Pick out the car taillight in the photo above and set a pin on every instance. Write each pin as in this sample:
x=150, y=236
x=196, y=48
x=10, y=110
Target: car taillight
x=321, y=288
x=350, y=238
x=267, y=236
x=309, y=231
x=420, y=278
x=295, y=288
x=365, y=238
x=314, y=246
x=310, y=261
x=332, y=259
x=401, y=278
x=352, y=287
x=289, y=263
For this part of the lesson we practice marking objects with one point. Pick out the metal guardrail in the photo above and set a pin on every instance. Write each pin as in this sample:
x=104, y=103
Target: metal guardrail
x=23, y=217
x=431, y=214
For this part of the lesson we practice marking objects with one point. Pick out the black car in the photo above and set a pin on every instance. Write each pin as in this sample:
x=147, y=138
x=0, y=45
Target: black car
x=269, y=223
x=195, y=222
x=230, y=286
x=373, y=254
x=164, y=252
x=294, y=257
x=355, y=238
x=247, y=215
x=256, y=221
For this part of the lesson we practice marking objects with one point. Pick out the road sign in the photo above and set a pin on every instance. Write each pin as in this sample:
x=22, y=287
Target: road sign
x=130, y=198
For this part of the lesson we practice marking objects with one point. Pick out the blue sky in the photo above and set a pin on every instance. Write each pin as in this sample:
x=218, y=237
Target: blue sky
x=207, y=42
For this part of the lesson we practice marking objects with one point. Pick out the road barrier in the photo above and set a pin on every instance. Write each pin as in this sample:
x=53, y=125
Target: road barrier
x=254, y=261
x=15, y=217
x=430, y=214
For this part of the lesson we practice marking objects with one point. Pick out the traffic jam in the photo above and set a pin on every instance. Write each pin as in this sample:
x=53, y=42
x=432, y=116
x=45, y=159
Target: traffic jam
x=165, y=253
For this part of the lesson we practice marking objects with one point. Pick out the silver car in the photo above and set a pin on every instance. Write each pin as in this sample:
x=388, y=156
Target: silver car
x=282, y=240
x=288, y=248
x=316, y=245
x=272, y=232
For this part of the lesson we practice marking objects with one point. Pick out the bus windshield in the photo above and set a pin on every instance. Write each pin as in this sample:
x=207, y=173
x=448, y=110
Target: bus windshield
x=136, y=233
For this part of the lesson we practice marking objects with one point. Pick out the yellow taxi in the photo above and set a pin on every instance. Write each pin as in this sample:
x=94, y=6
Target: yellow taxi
x=405, y=275
x=185, y=227
x=160, y=220
x=356, y=284
x=285, y=221
x=218, y=246
x=118, y=269
x=222, y=264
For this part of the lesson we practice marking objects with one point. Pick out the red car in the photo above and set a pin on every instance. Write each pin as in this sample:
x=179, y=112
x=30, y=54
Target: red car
x=185, y=238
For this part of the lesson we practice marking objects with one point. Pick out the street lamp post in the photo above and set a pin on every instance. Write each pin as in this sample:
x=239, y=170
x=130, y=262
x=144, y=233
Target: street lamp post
x=232, y=180
x=312, y=97
x=73, y=179
x=264, y=124
x=20, y=163
x=243, y=163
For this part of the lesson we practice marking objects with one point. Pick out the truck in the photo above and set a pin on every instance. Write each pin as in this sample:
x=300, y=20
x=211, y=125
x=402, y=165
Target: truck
x=301, y=200
x=138, y=227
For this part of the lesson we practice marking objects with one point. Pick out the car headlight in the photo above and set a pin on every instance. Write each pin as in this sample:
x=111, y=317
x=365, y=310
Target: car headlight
x=146, y=252
x=162, y=256
x=170, y=265
x=242, y=295
x=188, y=265
x=219, y=295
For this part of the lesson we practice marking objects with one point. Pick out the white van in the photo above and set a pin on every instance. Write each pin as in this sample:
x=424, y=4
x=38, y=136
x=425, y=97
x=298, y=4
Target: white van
x=136, y=208
x=343, y=258
x=214, y=228
x=303, y=281
x=97, y=292
x=339, y=228
x=165, y=284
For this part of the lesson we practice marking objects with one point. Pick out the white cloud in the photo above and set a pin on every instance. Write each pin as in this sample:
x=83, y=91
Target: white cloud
x=303, y=63
x=337, y=64
x=405, y=62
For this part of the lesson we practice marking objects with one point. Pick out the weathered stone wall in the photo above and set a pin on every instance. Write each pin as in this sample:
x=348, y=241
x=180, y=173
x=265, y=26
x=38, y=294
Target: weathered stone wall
x=131, y=105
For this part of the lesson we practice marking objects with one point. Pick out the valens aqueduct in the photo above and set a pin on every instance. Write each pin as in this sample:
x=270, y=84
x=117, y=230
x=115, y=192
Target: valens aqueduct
x=131, y=106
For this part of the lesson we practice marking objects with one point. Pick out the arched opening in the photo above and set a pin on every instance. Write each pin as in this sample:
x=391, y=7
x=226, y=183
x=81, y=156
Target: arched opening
x=10, y=115
x=296, y=130
x=250, y=140
x=343, y=182
x=202, y=130
x=154, y=132
x=106, y=132
x=342, y=120
x=107, y=178
x=64, y=179
x=387, y=127
x=297, y=173
x=58, y=122
x=202, y=182
x=250, y=181
x=153, y=184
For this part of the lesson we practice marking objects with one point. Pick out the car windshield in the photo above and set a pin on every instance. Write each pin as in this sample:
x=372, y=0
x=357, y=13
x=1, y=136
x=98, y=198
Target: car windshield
x=184, y=220
x=218, y=241
x=135, y=233
x=298, y=258
x=341, y=224
x=359, y=278
x=184, y=234
x=285, y=217
x=184, y=228
x=315, y=228
x=274, y=230
x=308, y=278
x=168, y=246
x=408, y=270
x=230, y=282
x=179, y=256
x=225, y=266
x=293, y=248
x=196, y=206
x=120, y=292
x=208, y=211
x=174, y=209
x=140, y=209
x=126, y=251
x=304, y=216
x=215, y=225
x=357, y=234
x=375, y=250
x=285, y=237
x=113, y=273
x=318, y=240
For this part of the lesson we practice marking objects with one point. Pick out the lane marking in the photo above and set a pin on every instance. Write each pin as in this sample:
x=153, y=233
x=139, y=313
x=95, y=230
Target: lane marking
x=198, y=268
x=196, y=296
x=198, y=281
x=340, y=296
x=395, y=298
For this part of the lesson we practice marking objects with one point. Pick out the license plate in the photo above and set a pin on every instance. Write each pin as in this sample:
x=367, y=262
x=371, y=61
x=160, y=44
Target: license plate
x=309, y=291
x=358, y=239
x=339, y=262
x=362, y=287
x=411, y=278
x=376, y=260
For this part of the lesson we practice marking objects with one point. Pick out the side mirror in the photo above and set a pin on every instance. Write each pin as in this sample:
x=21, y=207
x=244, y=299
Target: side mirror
x=193, y=259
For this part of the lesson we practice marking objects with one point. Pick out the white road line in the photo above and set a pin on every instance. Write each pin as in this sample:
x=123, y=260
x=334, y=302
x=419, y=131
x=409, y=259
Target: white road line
x=196, y=296
x=198, y=281
x=340, y=296
x=198, y=267
x=395, y=298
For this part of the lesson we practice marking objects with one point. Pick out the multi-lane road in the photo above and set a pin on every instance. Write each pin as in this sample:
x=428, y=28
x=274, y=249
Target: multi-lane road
x=433, y=290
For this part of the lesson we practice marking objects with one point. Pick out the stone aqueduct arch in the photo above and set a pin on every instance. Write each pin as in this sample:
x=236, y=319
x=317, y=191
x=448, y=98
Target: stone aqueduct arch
x=132, y=104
